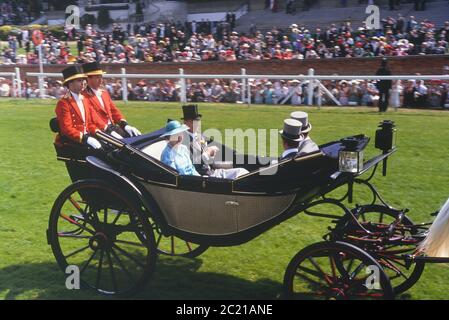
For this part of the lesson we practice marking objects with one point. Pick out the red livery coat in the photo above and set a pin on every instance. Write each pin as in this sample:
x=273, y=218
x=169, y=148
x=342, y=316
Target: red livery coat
x=71, y=123
x=110, y=112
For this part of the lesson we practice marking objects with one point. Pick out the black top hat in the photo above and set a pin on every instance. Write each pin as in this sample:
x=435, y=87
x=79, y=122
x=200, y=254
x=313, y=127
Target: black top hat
x=92, y=69
x=190, y=112
x=72, y=73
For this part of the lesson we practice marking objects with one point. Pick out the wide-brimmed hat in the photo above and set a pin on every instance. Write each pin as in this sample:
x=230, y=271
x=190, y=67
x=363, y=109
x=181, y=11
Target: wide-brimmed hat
x=174, y=127
x=72, y=73
x=92, y=69
x=292, y=130
x=190, y=112
x=302, y=117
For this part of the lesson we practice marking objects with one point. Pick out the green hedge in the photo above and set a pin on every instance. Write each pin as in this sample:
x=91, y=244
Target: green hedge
x=57, y=31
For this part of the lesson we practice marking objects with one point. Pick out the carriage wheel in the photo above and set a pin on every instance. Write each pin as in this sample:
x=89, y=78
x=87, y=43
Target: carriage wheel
x=402, y=276
x=102, y=232
x=176, y=247
x=335, y=270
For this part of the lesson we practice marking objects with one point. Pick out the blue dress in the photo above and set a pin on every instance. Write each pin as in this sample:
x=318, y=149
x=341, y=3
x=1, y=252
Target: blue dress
x=178, y=158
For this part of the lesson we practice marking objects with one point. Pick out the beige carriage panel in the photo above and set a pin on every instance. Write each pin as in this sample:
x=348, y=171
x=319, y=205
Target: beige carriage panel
x=216, y=214
x=155, y=149
x=196, y=212
x=253, y=210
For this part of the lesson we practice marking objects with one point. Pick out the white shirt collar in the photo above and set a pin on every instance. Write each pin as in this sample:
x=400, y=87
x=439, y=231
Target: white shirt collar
x=77, y=96
x=288, y=151
x=97, y=92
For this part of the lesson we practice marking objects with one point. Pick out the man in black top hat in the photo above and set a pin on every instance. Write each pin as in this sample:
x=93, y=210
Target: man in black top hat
x=383, y=86
x=201, y=154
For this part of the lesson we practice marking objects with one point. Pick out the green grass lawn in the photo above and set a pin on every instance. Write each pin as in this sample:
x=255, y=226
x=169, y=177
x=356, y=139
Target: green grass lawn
x=31, y=178
x=71, y=44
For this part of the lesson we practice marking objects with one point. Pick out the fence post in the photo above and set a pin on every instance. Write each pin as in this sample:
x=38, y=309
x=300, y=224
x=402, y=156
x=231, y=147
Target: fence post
x=41, y=71
x=183, y=97
x=14, y=86
x=19, y=83
x=243, y=90
x=310, y=87
x=320, y=96
x=248, y=93
x=124, y=86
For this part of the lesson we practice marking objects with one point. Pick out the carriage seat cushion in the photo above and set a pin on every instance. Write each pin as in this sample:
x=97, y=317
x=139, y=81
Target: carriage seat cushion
x=155, y=149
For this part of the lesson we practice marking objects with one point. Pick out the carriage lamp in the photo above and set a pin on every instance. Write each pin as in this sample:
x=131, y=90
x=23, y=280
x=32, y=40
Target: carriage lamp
x=386, y=136
x=386, y=140
x=350, y=159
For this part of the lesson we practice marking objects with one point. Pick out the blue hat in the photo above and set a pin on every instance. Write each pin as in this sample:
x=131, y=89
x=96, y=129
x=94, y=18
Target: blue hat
x=174, y=127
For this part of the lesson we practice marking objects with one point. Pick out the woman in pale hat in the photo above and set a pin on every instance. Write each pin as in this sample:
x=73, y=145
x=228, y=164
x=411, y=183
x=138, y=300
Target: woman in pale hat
x=177, y=155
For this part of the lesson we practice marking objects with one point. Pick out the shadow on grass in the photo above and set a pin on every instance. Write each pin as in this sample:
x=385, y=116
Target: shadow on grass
x=174, y=278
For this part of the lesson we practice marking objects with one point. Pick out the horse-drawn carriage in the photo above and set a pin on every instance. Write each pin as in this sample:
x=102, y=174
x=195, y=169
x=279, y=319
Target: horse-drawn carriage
x=125, y=207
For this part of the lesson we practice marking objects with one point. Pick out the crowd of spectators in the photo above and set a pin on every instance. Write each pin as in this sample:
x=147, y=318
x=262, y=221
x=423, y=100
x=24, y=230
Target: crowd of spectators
x=212, y=41
x=15, y=12
x=409, y=94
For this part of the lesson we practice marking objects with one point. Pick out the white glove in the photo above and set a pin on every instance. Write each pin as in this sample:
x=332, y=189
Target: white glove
x=116, y=135
x=94, y=143
x=212, y=151
x=133, y=132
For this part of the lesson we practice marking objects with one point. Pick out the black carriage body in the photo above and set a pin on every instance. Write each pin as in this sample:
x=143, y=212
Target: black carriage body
x=206, y=210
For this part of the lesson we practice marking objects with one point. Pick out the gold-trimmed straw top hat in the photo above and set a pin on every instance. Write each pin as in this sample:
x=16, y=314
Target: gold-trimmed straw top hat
x=92, y=69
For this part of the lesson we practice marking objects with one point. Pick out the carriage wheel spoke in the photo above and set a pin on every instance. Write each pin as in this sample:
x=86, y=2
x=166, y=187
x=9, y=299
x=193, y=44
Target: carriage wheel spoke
x=99, y=269
x=122, y=266
x=312, y=294
x=158, y=241
x=88, y=261
x=316, y=283
x=76, y=205
x=76, y=252
x=390, y=264
x=131, y=243
x=72, y=235
x=381, y=218
x=105, y=215
x=111, y=268
x=312, y=272
x=348, y=269
x=333, y=267
x=317, y=266
x=393, y=259
x=357, y=270
x=367, y=294
x=68, y=219
x=128, y=255
x=188, y=246
x=116, y=218
x=172, y=239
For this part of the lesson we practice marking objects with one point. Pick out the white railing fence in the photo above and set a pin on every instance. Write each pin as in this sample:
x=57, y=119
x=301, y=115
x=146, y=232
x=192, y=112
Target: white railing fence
x=16, y=82
x=310, y=79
